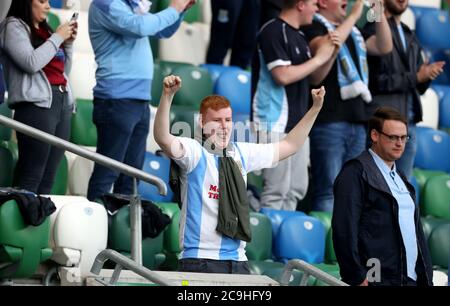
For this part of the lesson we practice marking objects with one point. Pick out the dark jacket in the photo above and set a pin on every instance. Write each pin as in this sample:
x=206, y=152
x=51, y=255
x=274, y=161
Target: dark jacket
x=392, y=77
x=365, y=225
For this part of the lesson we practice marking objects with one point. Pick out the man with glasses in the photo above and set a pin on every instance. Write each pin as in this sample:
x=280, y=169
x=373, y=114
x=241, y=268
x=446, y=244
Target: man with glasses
x=377, y=234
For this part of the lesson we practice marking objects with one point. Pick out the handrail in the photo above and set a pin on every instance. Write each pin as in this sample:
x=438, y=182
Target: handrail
x=308, y=270
x=98, y=158
x=125, y=262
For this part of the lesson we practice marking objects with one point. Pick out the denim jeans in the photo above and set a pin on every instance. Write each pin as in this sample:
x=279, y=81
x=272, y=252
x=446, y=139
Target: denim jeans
x=122, y=128
x=406, y=163
x=332, y=144
x=201, y=265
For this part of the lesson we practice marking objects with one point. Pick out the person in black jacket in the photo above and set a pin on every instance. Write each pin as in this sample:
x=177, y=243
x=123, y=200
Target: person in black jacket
x=399, y=78
x=377, y=234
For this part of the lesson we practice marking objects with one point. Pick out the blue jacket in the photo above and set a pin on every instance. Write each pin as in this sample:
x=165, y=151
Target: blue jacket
x=122, y=50
x=365, y=225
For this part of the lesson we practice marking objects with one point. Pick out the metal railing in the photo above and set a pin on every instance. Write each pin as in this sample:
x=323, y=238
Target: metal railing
x=124, y=262
x=135, y=202
x=308, y=270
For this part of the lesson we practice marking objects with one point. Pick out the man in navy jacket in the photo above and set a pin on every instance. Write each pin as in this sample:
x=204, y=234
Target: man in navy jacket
x=377, y=234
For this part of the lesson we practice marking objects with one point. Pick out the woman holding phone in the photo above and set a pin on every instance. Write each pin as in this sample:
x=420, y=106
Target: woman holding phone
x=36, y=62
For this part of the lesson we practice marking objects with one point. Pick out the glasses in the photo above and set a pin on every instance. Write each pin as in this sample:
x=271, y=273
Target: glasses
x=395, y=138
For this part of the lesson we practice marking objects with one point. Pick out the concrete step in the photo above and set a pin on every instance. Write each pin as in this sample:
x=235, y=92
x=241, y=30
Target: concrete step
x=185, y=279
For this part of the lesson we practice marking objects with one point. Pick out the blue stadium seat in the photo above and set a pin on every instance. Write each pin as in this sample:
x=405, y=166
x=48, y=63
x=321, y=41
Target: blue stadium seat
x=433, y=150
x=235, y=85
x=158, y=166
x=300, y=237
x=444, y=106
x=429, y=29
x=419, y=11
x=57, y=3
x=215, y=70
x=277, y=216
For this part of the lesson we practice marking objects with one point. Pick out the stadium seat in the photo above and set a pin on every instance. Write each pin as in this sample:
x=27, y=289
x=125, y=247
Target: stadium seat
x=119, y=239
x=61, y=179
x=436, y=197
x=300, y=237
x=78, y=232
x=430, y=108
x=422, y=7
x=82, y=76
x=53, y=21
x=167, y=67
x=157, y=81
x=422, y=176
x=215, y=70
x=5, y=133
x=57, y=3
x=184, y=120
x=22, y=247
x=158, y=166
x=171, y=235
x=83, y=129
x=439, y=245
x=197, y=84
x=188, y=44
x=259, y=249
x=277, y=216
x=325, y=218
x=433, y=150
x=192, y=15
x=430, y=223
x=427, y=29
x=255, y=179
x=235, y=85
x=444, y=106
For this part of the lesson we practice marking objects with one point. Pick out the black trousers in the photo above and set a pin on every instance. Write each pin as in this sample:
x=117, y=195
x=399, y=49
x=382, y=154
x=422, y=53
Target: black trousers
x=38, y=162
x=213, y=266
x=234, y=25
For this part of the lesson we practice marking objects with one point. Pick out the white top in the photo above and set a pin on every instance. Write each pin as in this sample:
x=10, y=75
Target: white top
x=200, y=197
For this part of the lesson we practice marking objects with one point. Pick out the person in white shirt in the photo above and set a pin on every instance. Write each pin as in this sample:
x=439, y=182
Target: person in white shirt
x=205, y=247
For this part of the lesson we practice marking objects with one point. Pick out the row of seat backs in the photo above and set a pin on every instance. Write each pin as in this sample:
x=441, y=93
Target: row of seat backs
x=433, y=149
x=22, y=247
x=157, y=253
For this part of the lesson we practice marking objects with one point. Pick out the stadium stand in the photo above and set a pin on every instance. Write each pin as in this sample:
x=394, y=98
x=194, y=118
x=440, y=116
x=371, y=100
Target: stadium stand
x=158, y=166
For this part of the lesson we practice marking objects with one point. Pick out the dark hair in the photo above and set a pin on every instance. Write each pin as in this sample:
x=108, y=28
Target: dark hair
x=21, y=9
x=384, y=113
x=287, y=4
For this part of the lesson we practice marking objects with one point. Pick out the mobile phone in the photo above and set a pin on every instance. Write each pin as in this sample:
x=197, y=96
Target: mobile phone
x=74, y=17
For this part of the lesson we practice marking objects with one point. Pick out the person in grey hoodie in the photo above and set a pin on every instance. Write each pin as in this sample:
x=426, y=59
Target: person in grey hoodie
x=36, y=63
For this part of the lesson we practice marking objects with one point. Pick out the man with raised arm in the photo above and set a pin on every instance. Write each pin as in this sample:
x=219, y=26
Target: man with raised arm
x=214, y=224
